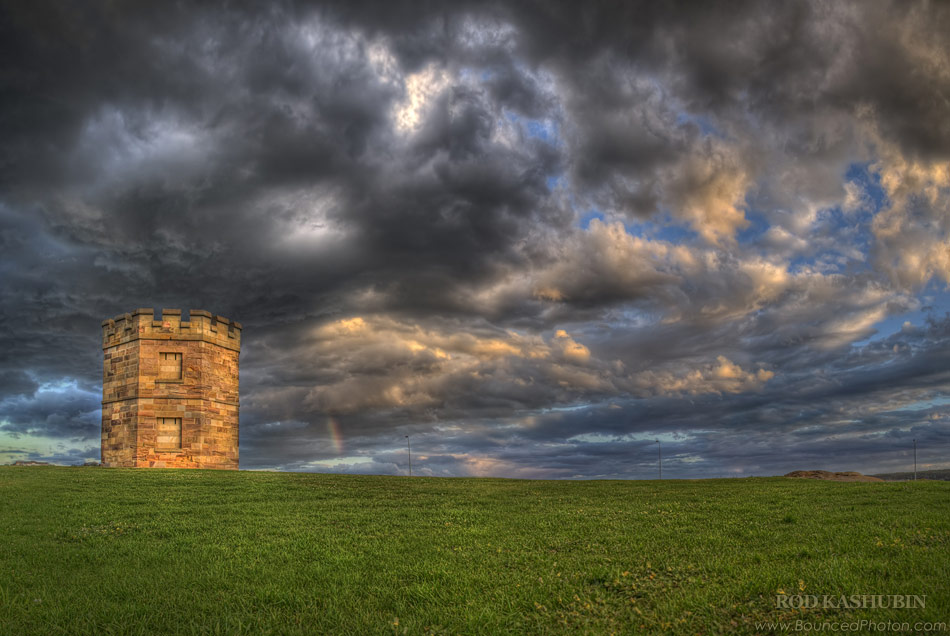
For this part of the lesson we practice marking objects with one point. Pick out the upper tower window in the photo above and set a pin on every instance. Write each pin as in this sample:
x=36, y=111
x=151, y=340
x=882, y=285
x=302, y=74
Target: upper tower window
x=169, y=366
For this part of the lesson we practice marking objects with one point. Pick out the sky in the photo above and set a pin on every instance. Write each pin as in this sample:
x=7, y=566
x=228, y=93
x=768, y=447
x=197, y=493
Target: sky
x=535, y=237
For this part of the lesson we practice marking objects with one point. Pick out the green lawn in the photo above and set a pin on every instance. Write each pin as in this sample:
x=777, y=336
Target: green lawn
x=124, y=551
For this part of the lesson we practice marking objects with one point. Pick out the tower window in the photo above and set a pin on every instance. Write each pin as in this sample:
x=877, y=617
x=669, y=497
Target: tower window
x=169, y=366
x=168, y=433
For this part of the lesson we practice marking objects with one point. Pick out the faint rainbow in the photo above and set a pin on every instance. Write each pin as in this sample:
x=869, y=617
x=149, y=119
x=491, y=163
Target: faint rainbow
x=333, y=428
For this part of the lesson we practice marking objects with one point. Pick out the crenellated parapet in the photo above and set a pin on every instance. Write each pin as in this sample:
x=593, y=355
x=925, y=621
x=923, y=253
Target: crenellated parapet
x=142, y=324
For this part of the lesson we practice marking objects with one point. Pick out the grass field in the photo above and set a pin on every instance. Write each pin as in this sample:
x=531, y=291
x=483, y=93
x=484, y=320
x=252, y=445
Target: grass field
x=115, y=551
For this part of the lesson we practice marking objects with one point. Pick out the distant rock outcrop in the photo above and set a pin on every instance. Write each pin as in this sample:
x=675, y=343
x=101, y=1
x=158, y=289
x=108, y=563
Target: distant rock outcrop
x=829, y=476
x=30, y=462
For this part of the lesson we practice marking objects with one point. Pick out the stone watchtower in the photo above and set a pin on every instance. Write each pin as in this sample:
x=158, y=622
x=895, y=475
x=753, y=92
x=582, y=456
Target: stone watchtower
x=170, y=390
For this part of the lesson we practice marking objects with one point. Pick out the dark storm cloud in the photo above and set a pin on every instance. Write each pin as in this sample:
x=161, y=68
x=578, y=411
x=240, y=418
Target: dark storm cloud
x=65, y=411
x=467, y=180
x=226, y=125
x=16, y=383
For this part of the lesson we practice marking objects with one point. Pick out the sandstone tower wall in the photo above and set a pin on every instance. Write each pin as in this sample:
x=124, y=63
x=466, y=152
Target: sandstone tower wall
x=170, y=390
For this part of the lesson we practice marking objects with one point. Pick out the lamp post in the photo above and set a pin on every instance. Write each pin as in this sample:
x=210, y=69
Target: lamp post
x=659, y=457
x=409, y=448
x=915, y=460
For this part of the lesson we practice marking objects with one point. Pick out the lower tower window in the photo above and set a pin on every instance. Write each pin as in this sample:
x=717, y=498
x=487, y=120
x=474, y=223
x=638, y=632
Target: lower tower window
x=168, y=433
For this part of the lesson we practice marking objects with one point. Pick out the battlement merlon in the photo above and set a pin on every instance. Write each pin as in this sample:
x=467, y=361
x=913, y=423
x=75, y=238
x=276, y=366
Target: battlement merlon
x=201, y=325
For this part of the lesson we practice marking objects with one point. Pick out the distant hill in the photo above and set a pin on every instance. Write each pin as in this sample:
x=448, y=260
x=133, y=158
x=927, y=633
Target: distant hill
x=937, y=475
x=829, y=476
